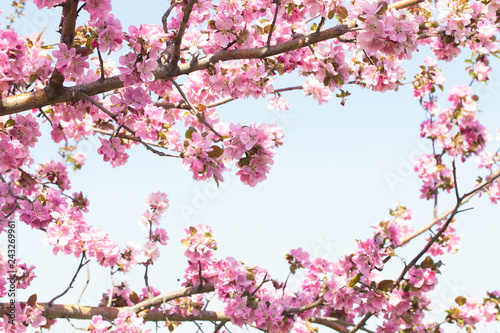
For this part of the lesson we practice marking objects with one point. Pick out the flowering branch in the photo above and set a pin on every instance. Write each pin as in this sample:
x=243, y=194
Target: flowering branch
x=73, y=279
x=67, y=30
x=102, y=108
x=39, y=98
x=180, y=33
x=194, y=111
x=465, y=198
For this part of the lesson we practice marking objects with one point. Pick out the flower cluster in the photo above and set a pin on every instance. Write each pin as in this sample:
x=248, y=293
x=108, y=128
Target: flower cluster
x=427, y=79
x=468, y=311
x=386, y=32
x=253, y=148
x=448, y=242
x=12, y=58
x=434, y=175
x=146, y=42
x=398, y=228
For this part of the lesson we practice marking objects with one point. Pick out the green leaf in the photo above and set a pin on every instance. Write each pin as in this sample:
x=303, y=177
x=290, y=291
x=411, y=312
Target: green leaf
x=460, y=300
x=9, y=123
x=385, y=285
x=383, y=8
x=327, y=80
x=133, y=297
x=355, y=280
x=32, y=300
x=33, y=78
x=427, y=263
x=189, y=133
x=216, y=151
x=89, y=41
x=244, y=161
x=339, y=79
x=342, y=12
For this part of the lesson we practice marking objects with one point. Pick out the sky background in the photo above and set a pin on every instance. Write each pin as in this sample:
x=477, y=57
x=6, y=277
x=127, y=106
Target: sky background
x=328, y=186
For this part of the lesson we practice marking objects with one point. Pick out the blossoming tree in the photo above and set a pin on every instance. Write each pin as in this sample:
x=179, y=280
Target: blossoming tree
x=163, y=95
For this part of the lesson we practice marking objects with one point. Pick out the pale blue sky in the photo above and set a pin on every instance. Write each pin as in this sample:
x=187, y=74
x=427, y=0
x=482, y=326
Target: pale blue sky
x=328, y=186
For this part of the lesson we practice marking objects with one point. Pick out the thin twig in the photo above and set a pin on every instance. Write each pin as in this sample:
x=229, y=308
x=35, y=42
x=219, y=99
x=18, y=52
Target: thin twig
x=139, y=140
x=273, y=23
x=101, y=64
x=455, y=181
x=361, y=323
x=435, y=237
x=320, y=25
x=199, y=327
x=11, y=192
x=180, y=33
x=86, y=284
x=306, y=307
x=164, y=18
x=194, y=111
x=465, y=198
x=45, y=116
x=286, y=281
x=311, y=19
x=199, y=275
x=208, y=301
x=72, y=280
x=146, y=282
x=219, y=326
x=132, y=138
x=76, y=328
x=184, y=106
x=263, y=281
x=112, y=289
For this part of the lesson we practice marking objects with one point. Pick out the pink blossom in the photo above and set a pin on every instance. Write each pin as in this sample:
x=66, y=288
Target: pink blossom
x=109, y=31
x=129, y=322
x=98, y=9
x=449, y=241
x=113, y=151
x=47, y=3
x=69, y=62
x=97, y=325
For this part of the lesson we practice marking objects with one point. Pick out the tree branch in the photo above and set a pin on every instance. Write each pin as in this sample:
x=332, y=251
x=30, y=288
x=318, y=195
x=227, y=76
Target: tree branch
x=72, y=280
x=193, y=110
x=67, y=30
x=158, y=300
x=39, y=98
x=139, y=140
x=182, y=105
x=466, y=197
x=180, y=33
x=273, y=23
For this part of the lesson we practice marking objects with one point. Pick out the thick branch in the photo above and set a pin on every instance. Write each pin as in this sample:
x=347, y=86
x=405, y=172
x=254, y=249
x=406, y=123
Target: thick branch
x=38, y=98
x=67, y=30
x=180, y=32
x=329, y=322
x=158, y=300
